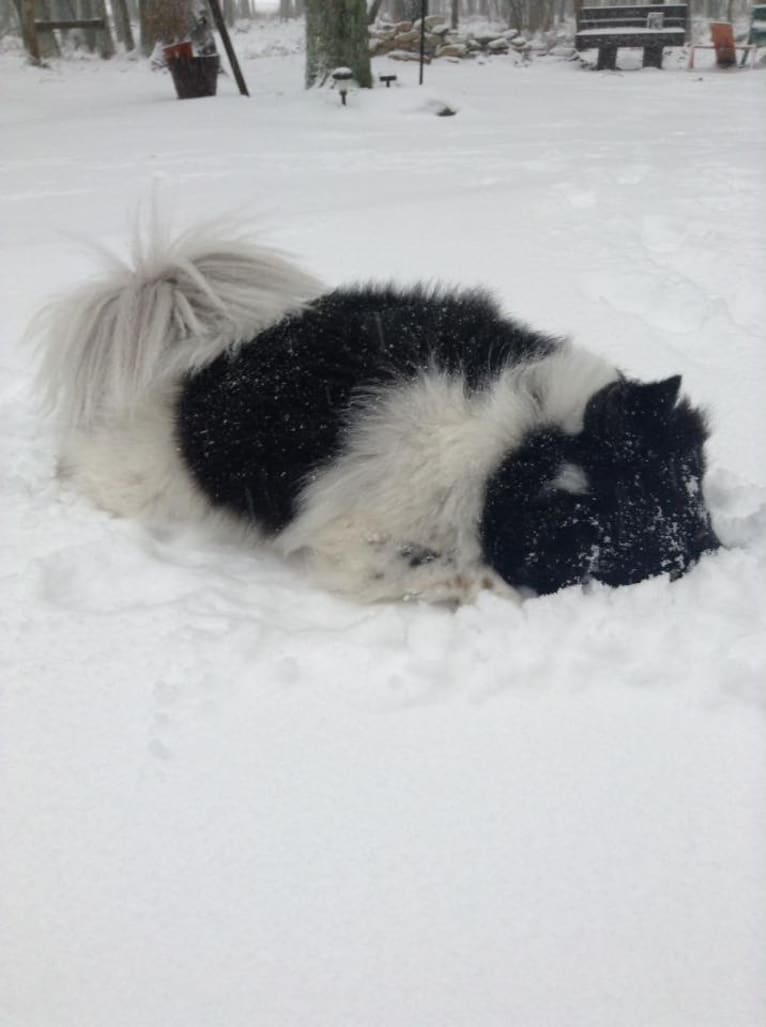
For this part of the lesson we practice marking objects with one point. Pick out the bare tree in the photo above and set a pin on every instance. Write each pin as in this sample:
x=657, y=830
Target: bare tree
x=26, y=11
x=122, y=24
x=103, y=38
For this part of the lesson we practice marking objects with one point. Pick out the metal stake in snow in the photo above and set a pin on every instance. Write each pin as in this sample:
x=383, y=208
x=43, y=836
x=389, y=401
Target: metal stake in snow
x=223, y=32
x=423, y=13
x=342, y=77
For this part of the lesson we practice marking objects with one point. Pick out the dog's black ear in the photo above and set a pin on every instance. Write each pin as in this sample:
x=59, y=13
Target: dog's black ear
x=671, y=387
x=651, y=400
x=628, y=418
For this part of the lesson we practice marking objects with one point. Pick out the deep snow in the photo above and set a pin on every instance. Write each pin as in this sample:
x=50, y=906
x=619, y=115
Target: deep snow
x=230, y=799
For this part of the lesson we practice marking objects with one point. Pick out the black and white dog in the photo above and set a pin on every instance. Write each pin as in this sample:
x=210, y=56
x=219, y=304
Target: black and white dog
x=405, y=442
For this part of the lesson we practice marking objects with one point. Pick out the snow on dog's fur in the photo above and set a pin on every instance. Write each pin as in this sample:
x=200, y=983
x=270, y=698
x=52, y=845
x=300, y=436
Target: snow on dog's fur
x=404, y=442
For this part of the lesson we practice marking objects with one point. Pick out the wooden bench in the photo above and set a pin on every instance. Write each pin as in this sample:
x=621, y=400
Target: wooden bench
x=32, y=25
x=649, y=26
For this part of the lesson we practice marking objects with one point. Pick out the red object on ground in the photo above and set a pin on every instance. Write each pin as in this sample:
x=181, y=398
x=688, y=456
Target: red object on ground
x=178, y=51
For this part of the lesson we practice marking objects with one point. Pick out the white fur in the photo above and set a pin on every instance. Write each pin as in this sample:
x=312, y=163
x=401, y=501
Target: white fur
x=414, y=474
x=139, y=328
x=571, y=478
x=130, y=465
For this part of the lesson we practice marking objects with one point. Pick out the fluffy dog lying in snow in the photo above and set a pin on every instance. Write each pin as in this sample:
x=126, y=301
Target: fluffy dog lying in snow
x=405, y=442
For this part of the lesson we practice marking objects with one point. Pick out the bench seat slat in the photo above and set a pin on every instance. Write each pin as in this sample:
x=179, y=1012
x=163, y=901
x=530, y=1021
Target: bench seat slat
x=635, y=32
x=640, y=11
x=594, y=23
x=71, y=23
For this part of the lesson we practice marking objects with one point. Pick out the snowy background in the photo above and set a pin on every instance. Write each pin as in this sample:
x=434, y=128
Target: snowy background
x=230, y=800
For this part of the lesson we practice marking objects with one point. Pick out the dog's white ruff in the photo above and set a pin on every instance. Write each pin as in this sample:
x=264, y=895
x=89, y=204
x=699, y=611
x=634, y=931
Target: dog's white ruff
x=415, y=469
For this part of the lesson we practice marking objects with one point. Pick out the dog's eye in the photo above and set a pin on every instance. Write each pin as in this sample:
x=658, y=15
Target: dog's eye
x=569, y=478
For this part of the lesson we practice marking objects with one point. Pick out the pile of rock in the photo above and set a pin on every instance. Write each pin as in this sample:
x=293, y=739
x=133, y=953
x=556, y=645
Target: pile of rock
x=401, y=40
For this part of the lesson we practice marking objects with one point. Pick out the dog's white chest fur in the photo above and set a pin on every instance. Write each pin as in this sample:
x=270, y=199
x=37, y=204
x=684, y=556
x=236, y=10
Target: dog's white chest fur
x=397, y=513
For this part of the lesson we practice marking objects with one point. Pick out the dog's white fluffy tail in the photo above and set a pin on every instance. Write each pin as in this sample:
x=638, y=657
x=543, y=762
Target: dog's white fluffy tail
x=177, y=307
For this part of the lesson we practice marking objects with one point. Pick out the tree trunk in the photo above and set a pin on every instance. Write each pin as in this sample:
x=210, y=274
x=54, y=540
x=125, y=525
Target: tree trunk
x=337, y=36
x=105, y=41
x=46, y=40
x=26, y=11
x=374, y=11
x=122, y=24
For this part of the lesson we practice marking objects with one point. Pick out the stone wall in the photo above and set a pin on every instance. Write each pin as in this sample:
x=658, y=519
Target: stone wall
x=401, y=41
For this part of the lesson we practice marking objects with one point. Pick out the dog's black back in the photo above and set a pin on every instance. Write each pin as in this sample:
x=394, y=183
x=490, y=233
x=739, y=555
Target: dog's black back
x=254, y=426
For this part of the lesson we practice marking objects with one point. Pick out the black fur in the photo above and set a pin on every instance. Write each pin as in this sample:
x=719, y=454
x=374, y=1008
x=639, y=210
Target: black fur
x=643, y=513
x=255, y=425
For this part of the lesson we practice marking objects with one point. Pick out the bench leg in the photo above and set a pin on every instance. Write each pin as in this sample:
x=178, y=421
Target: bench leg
x=607, y=58
x=652, y=57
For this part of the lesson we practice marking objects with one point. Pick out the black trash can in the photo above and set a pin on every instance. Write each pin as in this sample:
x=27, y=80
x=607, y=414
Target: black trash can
x=195, y=76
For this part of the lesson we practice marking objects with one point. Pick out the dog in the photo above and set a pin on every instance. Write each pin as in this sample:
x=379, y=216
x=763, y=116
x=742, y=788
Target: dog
x=400, y=442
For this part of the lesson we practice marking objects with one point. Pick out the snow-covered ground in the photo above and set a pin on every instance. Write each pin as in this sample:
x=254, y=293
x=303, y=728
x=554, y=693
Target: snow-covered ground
x=230, y=800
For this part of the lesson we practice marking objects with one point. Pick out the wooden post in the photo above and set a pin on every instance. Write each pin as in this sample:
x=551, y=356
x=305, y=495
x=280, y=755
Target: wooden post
x=29, y=31
x=220, y=24
x=652, y=57
x=423, y=13
x=607, y=58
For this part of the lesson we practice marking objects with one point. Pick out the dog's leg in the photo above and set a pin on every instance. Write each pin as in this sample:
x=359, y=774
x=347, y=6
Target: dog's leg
x=130, y=465
x=377, y=570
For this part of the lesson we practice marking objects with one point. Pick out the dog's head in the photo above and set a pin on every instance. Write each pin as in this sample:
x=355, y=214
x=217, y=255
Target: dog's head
x=618, y=502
